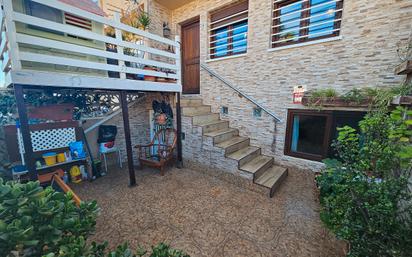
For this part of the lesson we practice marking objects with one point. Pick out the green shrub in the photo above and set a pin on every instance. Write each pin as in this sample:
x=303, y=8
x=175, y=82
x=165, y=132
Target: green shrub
x=42, y=222
x=364, y=192
x=35, y=221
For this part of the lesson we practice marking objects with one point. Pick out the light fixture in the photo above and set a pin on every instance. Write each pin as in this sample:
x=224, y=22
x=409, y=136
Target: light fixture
x=166, y=30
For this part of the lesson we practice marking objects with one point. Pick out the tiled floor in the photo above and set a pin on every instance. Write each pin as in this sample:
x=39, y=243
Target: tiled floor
x=206, y=216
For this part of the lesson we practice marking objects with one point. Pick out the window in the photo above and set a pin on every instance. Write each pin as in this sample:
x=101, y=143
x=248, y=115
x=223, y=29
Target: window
x=298, y=21
x=228, y=34
x=79, y=22
x=44, y=12
x=310, y=133
x=74, y=20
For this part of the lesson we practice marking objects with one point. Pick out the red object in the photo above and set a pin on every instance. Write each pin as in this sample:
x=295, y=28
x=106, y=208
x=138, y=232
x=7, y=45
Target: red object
x=297, y=98
x=56, y=112
x=109, y=144
x=85, y=5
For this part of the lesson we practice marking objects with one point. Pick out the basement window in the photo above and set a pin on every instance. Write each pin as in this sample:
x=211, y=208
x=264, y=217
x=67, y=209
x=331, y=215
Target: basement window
x=228, y=33
x=300, y=21
x=257, y=112
x=225, y=110
x=309, y=133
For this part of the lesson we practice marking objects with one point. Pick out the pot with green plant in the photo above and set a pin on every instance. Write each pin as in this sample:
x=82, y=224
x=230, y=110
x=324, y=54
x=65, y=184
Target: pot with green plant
x=320, y=97
x=329, y=97
x=150, y=77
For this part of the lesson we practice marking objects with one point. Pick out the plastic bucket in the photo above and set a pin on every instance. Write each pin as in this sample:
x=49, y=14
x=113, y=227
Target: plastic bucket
x=61, y=157
x=50, y=158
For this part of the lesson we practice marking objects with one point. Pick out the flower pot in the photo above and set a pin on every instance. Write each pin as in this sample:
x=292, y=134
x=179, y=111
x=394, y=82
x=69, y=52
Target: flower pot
x=163, y=80
x=148, y=77
x=334, y=102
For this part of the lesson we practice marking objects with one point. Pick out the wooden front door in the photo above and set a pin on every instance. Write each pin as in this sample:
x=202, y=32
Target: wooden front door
x=191, y=57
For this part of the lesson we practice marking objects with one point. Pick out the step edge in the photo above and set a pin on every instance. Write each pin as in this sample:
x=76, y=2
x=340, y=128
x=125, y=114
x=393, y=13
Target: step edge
x=222, y=132
x=243, y=140
x=281, y=177
x=257, y=149
x=271, y=159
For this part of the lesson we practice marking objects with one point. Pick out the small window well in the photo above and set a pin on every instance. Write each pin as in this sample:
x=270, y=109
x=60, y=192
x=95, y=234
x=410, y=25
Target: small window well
x=224, y=110
x=257, y=112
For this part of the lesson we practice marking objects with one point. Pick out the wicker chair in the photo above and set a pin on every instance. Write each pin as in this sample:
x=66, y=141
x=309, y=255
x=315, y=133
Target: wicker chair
x=159, y=152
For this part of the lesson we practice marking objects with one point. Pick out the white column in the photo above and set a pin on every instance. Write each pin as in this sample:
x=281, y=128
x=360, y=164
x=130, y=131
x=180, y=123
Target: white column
x=178, y=61
x=11, y=35
x=120, y=49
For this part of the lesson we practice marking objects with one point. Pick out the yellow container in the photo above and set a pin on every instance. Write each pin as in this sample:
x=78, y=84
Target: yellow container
x=61, y=157
x=50, y=158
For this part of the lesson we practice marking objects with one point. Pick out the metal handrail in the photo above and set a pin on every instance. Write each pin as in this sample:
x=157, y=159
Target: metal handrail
x=229, y=84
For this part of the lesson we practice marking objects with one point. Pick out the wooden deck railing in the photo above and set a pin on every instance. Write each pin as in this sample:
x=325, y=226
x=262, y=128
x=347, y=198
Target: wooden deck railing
x=162, y=61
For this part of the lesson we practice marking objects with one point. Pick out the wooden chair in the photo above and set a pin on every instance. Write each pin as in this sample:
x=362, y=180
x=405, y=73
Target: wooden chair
x=159, y=152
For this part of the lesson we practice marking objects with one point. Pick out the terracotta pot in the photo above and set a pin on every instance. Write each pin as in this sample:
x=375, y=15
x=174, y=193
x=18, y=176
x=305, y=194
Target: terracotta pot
x=164, y=80
x=150, y=78
x=334, y=102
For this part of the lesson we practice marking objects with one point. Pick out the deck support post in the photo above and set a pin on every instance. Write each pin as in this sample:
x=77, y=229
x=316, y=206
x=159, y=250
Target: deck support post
x=126, y=124
x=25, y=131
x=179, y=132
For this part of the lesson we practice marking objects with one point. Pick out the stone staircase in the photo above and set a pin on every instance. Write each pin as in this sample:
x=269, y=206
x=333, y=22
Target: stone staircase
x=249, y=159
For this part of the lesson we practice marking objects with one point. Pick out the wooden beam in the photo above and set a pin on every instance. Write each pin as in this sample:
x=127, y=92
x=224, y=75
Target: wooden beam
x=179, y=133
x=25, y=131
x=126, y=124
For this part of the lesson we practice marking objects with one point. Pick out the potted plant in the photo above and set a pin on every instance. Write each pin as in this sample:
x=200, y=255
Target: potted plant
x=149, y=77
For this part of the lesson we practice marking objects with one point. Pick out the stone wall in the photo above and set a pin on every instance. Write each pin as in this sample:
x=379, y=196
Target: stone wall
x=139, y=118
x=365, y=56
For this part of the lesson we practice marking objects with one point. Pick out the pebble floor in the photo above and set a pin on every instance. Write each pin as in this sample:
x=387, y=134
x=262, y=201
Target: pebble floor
x=206, y=216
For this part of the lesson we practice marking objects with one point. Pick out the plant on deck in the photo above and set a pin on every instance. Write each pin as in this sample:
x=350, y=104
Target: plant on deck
x=42, y=222
x=364, y=193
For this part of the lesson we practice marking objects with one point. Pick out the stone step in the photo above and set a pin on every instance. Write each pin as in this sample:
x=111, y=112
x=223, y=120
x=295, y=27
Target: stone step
x=272, y=178
x=205, y=118
x=194, y=111
x=234, y=144
x=214, y=126
x=187, y=102
x=245, y=155
x=258, y=165
x=222, y=135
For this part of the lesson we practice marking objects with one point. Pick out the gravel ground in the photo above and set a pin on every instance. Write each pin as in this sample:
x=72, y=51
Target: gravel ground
x=206, y=216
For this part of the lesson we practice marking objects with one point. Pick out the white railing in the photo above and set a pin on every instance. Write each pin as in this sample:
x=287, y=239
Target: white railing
x=4, y=46
x=160, y=62
x=302, y=20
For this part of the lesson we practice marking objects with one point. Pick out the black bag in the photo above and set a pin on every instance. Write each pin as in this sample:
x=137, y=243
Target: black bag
x=107, y=133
